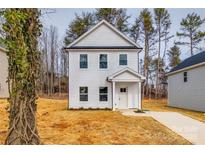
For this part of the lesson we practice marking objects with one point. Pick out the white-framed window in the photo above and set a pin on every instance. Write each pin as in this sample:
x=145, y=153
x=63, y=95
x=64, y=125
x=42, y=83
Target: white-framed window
x=185, y=77
x=83, y=92
x=103, y=93
x=123, y=59
x=83, y=61
x=103, y=64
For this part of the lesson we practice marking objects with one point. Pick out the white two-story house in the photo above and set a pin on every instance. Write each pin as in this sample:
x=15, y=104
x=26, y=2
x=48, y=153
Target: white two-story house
x=104, y=70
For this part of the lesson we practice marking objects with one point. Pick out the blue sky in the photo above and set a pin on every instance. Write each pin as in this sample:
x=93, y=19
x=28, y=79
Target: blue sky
x=62, y=17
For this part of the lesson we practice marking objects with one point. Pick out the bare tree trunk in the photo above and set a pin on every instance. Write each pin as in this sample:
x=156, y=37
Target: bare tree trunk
x=191, y=42
x=158, y=61
x=45, y=40
x=145, y=73
x=58, y=70
x=52, y=59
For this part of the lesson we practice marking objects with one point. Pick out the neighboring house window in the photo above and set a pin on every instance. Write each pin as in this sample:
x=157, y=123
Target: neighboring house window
x=103, y=61
x=83, y=93
x=185, y=76
x=123, y=59
x=103, y=91
x=83, y=61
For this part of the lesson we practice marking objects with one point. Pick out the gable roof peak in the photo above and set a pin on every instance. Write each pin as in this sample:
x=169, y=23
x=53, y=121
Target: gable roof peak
x=126, y=69
x=109, y=25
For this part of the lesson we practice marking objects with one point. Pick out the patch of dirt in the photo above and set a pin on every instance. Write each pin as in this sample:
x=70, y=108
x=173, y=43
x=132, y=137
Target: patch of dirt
x=60, y=125
x=56, y=125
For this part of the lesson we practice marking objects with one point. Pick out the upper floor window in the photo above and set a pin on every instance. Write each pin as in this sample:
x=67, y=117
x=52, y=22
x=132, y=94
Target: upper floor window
x=103, y=91
x=185, y=76
x=123, y=59
x=83, y=61
x=103, y=61
x=83, y=93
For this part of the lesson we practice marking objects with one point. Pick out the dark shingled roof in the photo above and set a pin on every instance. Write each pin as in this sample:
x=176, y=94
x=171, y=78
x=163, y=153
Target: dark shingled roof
x=196, y=59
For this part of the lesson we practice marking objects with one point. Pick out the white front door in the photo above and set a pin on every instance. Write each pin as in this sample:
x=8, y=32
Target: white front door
x=123, y=98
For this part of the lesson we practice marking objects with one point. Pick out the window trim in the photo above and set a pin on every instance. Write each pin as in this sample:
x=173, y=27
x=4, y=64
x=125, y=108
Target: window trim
x=83, y=94
x=80, y=61
x=119, y=59
x=103, y=93
x=99, y=61
x=185, y=76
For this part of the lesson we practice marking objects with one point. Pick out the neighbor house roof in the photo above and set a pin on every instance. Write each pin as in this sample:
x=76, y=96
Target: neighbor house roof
x=134, y=45
x=191, y=62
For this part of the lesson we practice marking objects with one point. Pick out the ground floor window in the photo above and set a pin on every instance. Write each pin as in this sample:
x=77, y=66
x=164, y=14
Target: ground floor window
x=83, y=93
x=103, y=93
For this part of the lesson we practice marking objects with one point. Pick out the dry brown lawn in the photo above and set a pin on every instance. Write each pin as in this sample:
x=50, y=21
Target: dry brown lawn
x=161, y=105
x=57, y=125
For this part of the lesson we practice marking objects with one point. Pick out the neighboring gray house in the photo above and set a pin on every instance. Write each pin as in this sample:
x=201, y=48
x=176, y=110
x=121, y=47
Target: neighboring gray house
x=186, y=84
x=103, y=70
x=3, y=74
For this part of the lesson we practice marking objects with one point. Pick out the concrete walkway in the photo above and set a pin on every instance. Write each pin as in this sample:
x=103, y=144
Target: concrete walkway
x=191, y=129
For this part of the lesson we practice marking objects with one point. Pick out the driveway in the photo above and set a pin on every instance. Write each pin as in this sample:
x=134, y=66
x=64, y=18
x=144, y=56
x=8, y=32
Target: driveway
x=191, y=129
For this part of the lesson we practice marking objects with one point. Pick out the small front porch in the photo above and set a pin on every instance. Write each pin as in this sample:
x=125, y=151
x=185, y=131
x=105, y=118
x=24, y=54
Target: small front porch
x=126, y=89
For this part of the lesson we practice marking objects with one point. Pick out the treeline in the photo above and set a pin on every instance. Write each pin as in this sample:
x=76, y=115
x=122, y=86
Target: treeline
x=54, y=64
x=151, y=30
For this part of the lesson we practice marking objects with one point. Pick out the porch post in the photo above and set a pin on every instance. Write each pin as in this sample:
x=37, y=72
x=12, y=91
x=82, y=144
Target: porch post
x=113, y=95
x=140, y=101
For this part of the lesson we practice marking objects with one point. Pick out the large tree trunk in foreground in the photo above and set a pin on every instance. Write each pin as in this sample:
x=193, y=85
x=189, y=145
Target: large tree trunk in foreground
x=22, y=28
x=22, y=125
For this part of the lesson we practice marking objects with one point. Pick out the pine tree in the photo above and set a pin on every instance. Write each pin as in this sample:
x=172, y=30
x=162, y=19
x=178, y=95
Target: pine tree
x=134, y=31
x=78, y=26
x=190, y=29
x=174, y=56
x=162, y=22
x=147, y=34
x=116, y=17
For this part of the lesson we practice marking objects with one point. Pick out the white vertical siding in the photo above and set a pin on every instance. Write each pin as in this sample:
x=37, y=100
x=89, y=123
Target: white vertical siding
x=3, y=75
x=191, y=94
x=93, y=77
x=103, y=36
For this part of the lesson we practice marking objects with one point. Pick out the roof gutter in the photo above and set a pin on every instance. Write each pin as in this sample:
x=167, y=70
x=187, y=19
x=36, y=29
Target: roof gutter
x=65, y=49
